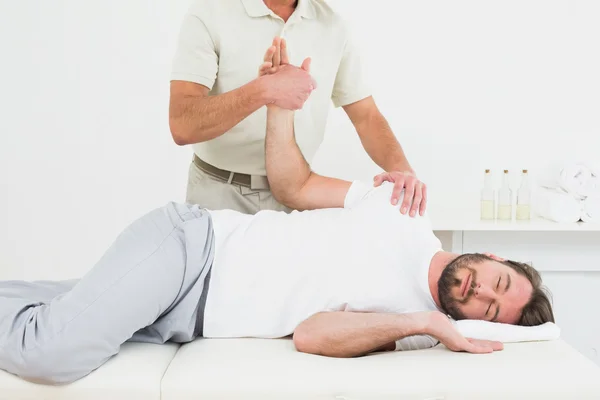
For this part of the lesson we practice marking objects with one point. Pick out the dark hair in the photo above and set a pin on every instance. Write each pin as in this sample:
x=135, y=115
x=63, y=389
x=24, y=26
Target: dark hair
x=538, y=309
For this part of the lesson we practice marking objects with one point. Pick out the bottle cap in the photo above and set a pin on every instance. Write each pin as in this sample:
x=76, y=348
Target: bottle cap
x=524, y=171
x=506, y=171
x=487, y=171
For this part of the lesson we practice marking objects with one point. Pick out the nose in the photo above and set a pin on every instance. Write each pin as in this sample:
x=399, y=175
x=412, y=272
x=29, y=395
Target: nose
x=484, y=292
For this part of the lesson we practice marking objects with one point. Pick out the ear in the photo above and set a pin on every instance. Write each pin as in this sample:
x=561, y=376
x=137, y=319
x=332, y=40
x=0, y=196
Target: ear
x=494, y=257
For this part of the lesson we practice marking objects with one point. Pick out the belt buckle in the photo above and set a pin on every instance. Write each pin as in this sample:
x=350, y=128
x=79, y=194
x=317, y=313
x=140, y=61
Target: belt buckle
x=259, y=182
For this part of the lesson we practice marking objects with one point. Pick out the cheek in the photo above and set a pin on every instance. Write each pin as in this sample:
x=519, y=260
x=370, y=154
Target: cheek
x=472, y=310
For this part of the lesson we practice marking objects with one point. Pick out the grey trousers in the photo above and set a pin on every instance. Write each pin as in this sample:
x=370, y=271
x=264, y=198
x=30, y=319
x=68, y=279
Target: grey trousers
x=147, y=287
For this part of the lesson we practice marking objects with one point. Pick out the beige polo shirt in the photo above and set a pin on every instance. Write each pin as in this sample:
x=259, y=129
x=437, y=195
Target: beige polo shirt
x=221, y=45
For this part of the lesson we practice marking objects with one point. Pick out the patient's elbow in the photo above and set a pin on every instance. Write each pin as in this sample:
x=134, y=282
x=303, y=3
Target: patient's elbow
x=312, y=337
x=285, y=196
x=306, y=343
x=319, y=345
x=288, y=201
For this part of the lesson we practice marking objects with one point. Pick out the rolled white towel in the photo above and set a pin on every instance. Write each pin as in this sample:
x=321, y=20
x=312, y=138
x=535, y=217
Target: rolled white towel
x=593, y=186
x=556, y=205
x=591, y=209
x=577, y=179
x=505, y=333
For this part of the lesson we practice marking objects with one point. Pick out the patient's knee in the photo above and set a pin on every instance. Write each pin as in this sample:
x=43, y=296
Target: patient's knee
x=48, y=368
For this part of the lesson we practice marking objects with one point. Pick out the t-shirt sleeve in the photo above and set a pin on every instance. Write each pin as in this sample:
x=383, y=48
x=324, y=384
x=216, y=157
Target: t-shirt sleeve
x=357, y=192
x=195, y=56
x=416, y=342
x=350, y=85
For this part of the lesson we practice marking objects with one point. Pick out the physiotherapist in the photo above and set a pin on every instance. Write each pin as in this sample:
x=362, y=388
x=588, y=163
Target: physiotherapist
x=217, y=103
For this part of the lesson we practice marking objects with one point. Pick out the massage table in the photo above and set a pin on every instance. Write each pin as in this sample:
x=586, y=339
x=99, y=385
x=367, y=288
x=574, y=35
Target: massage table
x=255, y=369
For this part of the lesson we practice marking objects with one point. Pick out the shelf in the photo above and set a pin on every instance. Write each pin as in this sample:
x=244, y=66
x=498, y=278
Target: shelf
x=535, y=225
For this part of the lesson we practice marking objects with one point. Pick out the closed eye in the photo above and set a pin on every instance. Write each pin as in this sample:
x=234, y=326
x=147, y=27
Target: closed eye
x=496, y=314
x=498, y=284
x=488, y=309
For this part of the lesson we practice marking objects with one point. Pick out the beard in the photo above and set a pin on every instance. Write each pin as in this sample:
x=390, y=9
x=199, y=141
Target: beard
x=449, y=280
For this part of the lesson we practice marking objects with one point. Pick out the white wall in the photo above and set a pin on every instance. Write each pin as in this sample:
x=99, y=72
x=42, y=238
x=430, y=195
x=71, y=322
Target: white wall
x=469, y=85
x=85, y=145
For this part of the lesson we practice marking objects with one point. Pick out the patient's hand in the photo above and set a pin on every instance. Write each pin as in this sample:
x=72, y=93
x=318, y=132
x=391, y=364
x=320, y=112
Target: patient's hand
x=441, y=328
x=275, y=58
x=289, y=86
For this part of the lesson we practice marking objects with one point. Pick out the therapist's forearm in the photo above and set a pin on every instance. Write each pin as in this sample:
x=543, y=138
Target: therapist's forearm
x=195, y=119
x=381, y=144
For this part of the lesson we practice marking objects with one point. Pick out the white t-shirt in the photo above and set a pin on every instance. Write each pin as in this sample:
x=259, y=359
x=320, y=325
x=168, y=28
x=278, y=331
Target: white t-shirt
x=273, y=270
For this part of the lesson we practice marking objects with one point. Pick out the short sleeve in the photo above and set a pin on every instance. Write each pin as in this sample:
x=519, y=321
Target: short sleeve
x=357, y=192
x=350, y=85
x=195, y=56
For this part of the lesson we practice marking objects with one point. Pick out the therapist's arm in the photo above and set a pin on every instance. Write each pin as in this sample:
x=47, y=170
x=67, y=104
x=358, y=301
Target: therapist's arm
x=195, y=117
x=352, y=334
x=290, y=177
x=382, y=146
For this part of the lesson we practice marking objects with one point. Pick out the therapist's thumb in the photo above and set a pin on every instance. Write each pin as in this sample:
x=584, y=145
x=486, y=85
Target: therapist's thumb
x=306, y=64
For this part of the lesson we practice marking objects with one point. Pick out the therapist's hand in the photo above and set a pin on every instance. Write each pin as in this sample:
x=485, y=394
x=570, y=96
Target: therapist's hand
x=415, y=195
x=441, y=328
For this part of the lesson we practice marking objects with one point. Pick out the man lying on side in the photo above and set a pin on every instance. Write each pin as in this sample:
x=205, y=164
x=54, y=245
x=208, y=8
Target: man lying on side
x=347, y=277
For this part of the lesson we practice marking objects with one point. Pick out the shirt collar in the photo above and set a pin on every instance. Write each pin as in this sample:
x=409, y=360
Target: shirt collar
x=306, y=9
x=257, y=8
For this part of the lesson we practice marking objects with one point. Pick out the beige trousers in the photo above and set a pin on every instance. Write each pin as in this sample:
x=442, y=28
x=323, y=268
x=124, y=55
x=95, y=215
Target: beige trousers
x=214, y=194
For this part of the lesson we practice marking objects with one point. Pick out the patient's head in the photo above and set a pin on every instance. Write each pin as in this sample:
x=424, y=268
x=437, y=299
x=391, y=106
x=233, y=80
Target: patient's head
x=477, y=286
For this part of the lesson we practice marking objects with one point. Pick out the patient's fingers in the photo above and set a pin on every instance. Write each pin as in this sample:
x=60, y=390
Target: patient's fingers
x=284, y=55
x=269, y=54
x=496, y=346
x=456, y=342
x=277, y=55
x=478, y=348
x=495, y=257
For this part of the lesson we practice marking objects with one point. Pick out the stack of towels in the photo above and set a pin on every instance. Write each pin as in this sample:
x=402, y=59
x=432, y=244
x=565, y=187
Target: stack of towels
x=569, y=193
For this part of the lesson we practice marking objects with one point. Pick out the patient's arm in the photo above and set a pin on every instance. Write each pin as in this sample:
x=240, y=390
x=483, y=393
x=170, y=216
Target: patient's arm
x=291, y=180
x=352, y=334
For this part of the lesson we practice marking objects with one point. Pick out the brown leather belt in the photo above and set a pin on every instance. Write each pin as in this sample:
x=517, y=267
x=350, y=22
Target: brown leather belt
x=254, y=182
